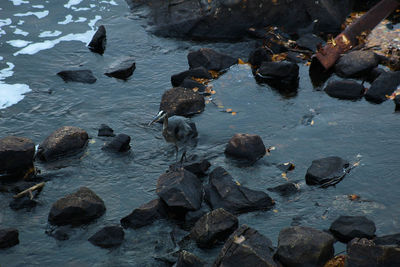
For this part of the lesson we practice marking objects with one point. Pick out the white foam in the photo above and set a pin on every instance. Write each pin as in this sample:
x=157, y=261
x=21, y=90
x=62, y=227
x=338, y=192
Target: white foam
x=49, y=34
x=4, y=22
x=19, y=2
x=18, y=43
x=21, y=22
x=80, y=9
x=1, y=58
x=72, y=3
x=112, y=2
x=92, y=5
x=39, y=15
x=38, y=6
x=81, y=19
x=10, y=94
x=20, y=32
x=68, y=19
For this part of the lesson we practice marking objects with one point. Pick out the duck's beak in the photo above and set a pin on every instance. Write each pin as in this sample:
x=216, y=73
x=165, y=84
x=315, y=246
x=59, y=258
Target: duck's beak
x=158, y=117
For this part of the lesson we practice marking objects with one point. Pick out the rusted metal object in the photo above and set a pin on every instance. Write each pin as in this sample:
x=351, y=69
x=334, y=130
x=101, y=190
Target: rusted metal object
x=331, y=52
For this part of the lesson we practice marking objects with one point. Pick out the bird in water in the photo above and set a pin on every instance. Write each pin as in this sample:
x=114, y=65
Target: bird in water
x=176, y=129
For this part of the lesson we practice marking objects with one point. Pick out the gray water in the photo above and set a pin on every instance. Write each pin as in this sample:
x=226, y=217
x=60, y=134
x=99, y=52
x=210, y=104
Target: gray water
x=357, y=131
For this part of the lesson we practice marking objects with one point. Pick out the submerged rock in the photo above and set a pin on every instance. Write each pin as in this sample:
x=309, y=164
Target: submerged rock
x=286, y=189
x=397, y=103
x=122, y=69
x=187, y=259
x=198, y=168
x=349, y=90
x=300, y=246
x=191, y=217
x=81, y=76
x=64, y=141
x=61, y=233
x=105, y=130
x=99, y=41
x=246, y=247
x=210, y=60
x=326, y=170
x=356, y=64
x=8, y=237
x=384, y=85
x=388, y=240
x=76, y=209
x=345, y=228
x=145, y=214
x=119, y=143
x=108, y=237
x=181, y=101
x=246, y=146
x=258, y=56
x=282, y=75
x=23, y=203
x=199, y=72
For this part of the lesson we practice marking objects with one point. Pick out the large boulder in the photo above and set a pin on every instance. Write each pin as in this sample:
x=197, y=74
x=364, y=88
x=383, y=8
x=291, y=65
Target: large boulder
x=282, y=75
x=309, y=41
x=345, y=228
x=246, y=247
x=356, y=64
x=80, y=76
x=16, y=157
x=210, y=59
x=198, y=168
x=119, y=143
x=258, y=56
x=199, y=72
x=8, y=237
x=246, y=146
x=99, y=41
x=78, y=208
x=223, y=192
x=383, y=86
x=326, y=170
x=187, y=259
x=122, y=69
x=145, y=214
x=182, y=101
x=214, y=226
x=64, y=141
x=300, y=246
x=108, y=237
x=347, y=90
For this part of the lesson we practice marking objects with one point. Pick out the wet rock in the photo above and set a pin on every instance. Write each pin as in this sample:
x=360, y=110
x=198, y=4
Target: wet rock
x=349, y=90
x=246, y=247
x=286, y=167
x=180, y=190
x=119, y=143
x=286, y=189
x=122, y=69
x=23, y=203
x=326, y=170
x=304, y=246
x=258, y=56
x=345, y=228
x=374, y=74
x=281, y=75
x=310, y=42
x=245, y=146
x=145, y=214
x=210, y=59
x=80, y=76
x=191, y=84
x=77, y=208
x=61, y=234
x=214, y=226
x=275, y=39
x=356, y=64
x=187, y=259
x=64, y=141
x=223, y=192
x=388, y=240
x=106, y=130
x=181, y=101
x=384, y=85
x=16, y=157
x=108, y=237
x=397, y=103
x=198, y=168
x=99, y=41
x=199, y=72
x=8, y=237
x=365, y=253
x=191, y=217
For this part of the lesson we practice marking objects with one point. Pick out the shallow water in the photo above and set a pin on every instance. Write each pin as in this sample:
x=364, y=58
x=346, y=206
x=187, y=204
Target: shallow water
x=41, y=38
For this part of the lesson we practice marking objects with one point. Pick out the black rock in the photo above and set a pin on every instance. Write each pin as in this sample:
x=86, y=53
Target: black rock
x=191, y=217
x=246, y=247
x=374, y=74
x=62, y=233
x=300, y=246
x=23, y=203
x=198, y=168
x=214, y=226
x=349, y=90
x=8, y=237
x=275, y=40
x=122, y=69
x=64, y=141
x=105, y=130
x=326, y=170
x=356, y=64
x=180, y=190
x=210, y=59
x=76, y=209
x=282, y=75
x=286, y=189
x=187, y=259
x=119, y=143
x=145, y=214
x=99, y=41
x=181, y=101
x=345, y=228
x=258, y=56
x=191, y=84
x=397, y=103
x=384, y=85
x=80, y=76
x=365, y=253
x=223, y=192
x=309, y=41
x=199, y=72
x=246, y=146
x=388, y=240
x=285, y=167
x=108, y=237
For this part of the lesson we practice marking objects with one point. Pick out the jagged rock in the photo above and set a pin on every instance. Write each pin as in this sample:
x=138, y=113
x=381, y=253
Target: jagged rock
x=80, y=76
x=122, y=69
x=23, y=203
x=105, y=130
x=309, y=41
x=300, y=246
x=8, y=237
x=388, y=240
x=326, y=170
x=210, y=59
x=258, y=56
x=187, y=259
x=397, y=103
x=349, y=90
x=16, y=157
x=198, y=168
x=286, y=189
x=191, y=217
x=356, y=64
x=119, y=143
x=246, y=146
x=345, y=228
x=77, y=208
x=282, y=75
x=181, y=101
x=223, y=192
x=199, y=72
x=246, y=247
x=64, y=141
x=384, y=85
x=214, y=226
x=108, y=237
x=99, y=41
x=191, y=84
x=145, y=214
